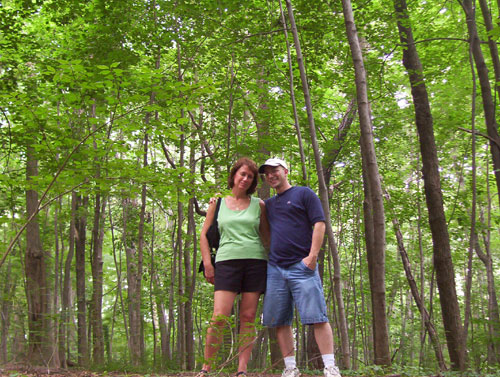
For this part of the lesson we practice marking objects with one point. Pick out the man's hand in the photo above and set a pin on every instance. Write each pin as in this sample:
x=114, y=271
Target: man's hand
x=310, y=261
x=213, y=199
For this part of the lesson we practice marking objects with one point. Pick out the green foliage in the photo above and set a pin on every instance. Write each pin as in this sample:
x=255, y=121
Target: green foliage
x=85, y=83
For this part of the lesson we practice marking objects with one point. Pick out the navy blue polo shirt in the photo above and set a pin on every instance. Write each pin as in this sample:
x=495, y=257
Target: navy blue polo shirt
x=292, y=215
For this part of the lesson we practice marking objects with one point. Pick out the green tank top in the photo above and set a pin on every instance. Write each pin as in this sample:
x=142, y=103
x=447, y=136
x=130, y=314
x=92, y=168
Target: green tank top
x=239, y=232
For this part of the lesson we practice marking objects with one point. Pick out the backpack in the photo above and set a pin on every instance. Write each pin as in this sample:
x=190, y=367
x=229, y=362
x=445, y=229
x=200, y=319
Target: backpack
x=213, y=237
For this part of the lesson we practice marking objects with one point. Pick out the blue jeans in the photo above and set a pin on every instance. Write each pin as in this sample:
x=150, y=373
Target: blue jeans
x=296, y=284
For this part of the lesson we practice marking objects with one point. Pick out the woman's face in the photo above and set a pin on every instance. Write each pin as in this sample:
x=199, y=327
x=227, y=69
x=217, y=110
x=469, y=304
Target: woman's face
x=243, y=178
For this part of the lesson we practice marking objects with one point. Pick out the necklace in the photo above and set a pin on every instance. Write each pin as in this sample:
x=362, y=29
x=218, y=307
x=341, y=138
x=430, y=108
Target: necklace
x=238, y=206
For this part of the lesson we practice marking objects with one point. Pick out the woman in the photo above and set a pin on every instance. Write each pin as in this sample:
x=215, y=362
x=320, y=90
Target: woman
x=241, y=261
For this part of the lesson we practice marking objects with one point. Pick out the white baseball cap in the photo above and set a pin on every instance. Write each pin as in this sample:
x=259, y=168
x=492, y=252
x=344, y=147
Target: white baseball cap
x=272, y=162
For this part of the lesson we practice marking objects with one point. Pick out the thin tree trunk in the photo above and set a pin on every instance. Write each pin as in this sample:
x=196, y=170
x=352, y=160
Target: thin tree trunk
x=162, y=324
x=81, y=278
x=229, y=135
x=19, y=346
x=332, y=154
x=292, y=96
x=416, y=295
x=422, y=267
x=263, y=192
x=171, y=297
x=181, y=321
x=181, y=334
x=96, y=262
x=345, y=360
x=152, y=289
x=66, y=291
x=190, y=274
x=160, y=306
x=374, y=205
x=134, y=274
x=353, y=279
x=180, y=344
x=405, y=317
x=118, y=269
x=132, y=261
x=437, y=221
x=97, y=281
x=5, y=311
x=470, y=251
x=488, y=103
x=364, y=327
x=492, y=44
x=58, y=257
x=493, y=311
x=270, y=332
x=7, y=305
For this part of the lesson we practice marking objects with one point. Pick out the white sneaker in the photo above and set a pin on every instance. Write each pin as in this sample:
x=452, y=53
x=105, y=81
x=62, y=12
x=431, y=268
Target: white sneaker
x=290, y=372
x=332, y=372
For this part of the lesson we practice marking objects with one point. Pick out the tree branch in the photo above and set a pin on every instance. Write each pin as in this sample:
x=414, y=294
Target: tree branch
x=497, y=143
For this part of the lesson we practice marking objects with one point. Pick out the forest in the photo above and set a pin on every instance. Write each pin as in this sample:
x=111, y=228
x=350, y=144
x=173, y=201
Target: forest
x=120, y=119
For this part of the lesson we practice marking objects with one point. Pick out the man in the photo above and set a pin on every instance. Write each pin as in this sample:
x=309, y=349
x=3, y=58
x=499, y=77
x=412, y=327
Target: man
x=297, y=223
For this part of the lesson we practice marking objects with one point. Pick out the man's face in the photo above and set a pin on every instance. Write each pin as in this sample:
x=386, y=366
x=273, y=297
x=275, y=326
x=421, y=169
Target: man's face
x=275, y=176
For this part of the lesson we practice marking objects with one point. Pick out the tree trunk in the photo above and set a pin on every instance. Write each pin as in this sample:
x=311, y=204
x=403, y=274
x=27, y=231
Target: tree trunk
x=470, y=251
x=422, y=266
x=374, y=204
x=160, y=306
x=263, y=192
x=134, y=268
x=19, y=347
x=97, y=281
x=437, y=221
x=5, y=311
x=260, y=350
x=366, y=334
x=162, y=324
x=492, y=44
x=81, y=278
x=377, y=288
x=171, y=298
x=270, y=333
x=42, y=348
x=488, y=103
x=429, y=325
x=181, y=356
x=118, y=269
x=323, y=193
x=134, y=275
x=493, y=312
x=292, y=97
x=58, y=257
x=330, y=156
x=189, y=273
x=66, y=291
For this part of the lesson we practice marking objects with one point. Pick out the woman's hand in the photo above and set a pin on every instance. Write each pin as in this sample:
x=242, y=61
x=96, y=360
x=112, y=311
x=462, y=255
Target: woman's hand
x=204, y=247
x=209, y=273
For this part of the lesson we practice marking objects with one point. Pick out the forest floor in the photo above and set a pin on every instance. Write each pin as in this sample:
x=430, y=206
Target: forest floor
x=17, y=370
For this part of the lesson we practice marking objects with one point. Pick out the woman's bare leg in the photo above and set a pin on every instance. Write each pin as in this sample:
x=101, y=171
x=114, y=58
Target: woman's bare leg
x=248, y=310
x=223, y=303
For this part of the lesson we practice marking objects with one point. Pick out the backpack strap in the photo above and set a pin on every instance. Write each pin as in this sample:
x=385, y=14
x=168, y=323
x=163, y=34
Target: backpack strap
x=217, y=211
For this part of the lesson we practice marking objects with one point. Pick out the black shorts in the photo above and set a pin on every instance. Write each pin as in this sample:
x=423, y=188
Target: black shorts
x=241, y=275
